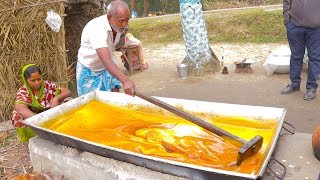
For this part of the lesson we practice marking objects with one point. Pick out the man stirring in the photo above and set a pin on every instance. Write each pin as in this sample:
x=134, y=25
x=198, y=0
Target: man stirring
x=96, y=69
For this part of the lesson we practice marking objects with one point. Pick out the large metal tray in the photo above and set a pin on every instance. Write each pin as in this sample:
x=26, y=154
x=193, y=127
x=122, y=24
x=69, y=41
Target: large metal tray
x=154, y=163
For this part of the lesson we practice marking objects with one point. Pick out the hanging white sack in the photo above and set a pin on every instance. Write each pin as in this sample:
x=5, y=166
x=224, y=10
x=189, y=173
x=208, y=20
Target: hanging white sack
x=53, y=20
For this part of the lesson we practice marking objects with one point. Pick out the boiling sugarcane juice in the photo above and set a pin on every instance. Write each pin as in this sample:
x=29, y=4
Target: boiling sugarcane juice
x=161, y=134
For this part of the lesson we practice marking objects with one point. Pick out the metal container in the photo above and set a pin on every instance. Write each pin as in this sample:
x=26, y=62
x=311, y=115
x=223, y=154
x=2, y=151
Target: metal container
x=182, y=71
x=154, y=163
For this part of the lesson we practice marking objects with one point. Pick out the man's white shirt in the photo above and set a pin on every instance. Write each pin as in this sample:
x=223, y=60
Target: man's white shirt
x=96, y=34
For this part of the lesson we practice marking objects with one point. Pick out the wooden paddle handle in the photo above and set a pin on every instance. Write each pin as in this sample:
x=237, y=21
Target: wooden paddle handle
x=190, y=117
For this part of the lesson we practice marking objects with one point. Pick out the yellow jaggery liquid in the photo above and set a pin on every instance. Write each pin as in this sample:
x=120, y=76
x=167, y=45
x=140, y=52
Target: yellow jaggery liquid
x=165, y=135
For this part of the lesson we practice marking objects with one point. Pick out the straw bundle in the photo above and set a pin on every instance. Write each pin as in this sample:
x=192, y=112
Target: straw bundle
x=26, y=38
x=77, y=17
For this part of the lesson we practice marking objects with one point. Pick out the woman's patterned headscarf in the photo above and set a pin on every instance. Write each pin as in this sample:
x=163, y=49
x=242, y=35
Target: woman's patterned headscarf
x=35, y=103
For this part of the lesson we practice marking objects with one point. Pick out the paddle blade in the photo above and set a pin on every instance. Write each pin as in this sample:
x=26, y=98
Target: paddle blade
x=250, y=148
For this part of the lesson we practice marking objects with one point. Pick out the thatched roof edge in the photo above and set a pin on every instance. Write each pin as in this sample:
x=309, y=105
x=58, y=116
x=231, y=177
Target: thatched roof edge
x=96, y=3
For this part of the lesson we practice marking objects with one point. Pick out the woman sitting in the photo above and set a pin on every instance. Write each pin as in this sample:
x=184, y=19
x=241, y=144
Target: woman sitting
x=36, y=95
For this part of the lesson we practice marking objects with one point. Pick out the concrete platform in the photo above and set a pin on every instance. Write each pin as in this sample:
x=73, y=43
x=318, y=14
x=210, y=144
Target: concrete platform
x=294, y=151
x=78, y=165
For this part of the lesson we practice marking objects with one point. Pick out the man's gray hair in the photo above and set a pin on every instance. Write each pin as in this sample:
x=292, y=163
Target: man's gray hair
x=114, y=5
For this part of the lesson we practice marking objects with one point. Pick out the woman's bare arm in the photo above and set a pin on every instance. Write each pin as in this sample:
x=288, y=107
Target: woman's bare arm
x=24, y=111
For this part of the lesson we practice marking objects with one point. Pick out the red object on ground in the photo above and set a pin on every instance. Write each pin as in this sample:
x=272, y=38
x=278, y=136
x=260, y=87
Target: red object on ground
x=316, y=142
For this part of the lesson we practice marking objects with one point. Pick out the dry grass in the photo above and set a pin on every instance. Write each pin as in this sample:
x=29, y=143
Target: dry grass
x=26, y=38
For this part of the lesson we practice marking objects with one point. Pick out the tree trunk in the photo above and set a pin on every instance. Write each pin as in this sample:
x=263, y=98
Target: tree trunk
x=146, y=5
x=165, y=6
x=200, y=58
x=133, y=5
x=134, y=13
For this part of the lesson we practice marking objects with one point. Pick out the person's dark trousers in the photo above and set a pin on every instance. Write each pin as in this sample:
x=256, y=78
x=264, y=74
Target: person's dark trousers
x=300, y=38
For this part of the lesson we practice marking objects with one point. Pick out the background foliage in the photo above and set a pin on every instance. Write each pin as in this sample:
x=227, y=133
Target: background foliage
x=172, y=6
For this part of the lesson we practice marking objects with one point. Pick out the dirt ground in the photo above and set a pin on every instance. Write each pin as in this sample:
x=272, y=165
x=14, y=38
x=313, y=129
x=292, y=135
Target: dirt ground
x=14, y=156
x=161, y=79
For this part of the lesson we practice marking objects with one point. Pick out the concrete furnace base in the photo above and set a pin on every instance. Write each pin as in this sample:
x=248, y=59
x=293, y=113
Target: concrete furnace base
x=79, y=165
x=294, y=151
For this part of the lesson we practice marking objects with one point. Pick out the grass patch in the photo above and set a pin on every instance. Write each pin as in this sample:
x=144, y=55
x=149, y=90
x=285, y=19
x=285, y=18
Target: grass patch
x=158, y=30
x=223, y=4
x=238, y=26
